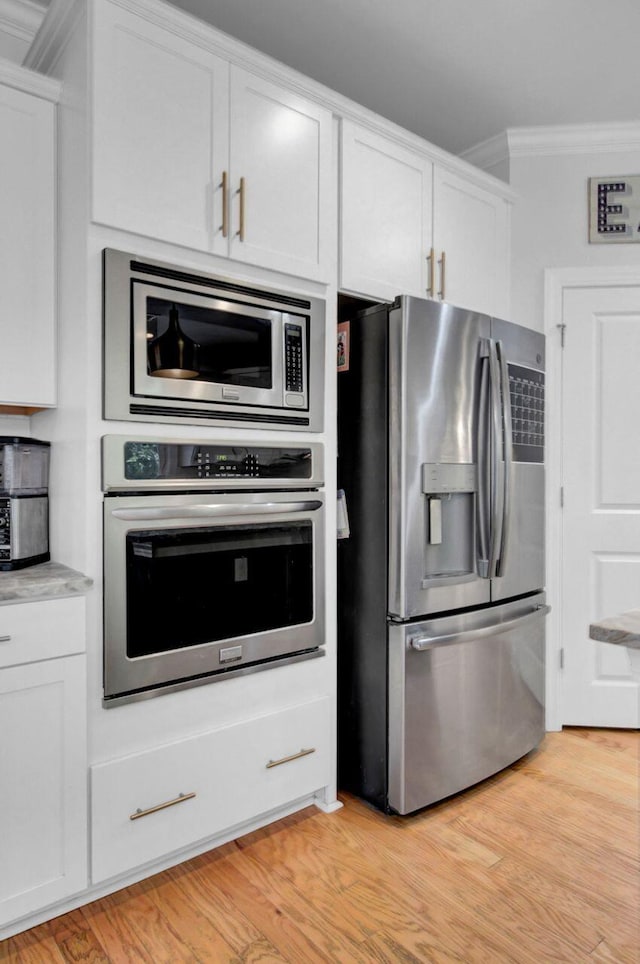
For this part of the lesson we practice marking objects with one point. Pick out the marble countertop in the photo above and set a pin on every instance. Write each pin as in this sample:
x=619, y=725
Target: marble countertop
x=623, y=629
x=43, y=581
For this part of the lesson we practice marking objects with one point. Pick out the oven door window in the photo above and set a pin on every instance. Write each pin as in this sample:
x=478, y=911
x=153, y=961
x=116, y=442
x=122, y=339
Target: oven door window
x=186, y=587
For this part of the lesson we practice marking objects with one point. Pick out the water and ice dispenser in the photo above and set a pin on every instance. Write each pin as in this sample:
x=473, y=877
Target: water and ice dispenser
x=24, y=502
x=450, y=549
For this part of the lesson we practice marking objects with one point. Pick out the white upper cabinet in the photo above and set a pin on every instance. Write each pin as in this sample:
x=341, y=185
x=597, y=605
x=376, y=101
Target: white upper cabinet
x=410, y=226
x=27, y=286
x=471, y=231
x=280, y=174
x=195, y=151
x=160, y=132
x=385, y=216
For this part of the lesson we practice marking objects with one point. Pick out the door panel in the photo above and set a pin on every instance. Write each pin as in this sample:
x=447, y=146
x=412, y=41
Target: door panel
x=435, y=374
x=160, y=132
x=522, y=567
x=385, y=216
x=601, y=516
x=462, y=710
x=280, y=146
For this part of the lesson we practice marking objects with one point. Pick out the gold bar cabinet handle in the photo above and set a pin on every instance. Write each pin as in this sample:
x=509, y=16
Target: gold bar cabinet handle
x=225, y=205
x=288, y=759
x=241, y=192
x=431, y=258
x=161, y=806
x=441, y=262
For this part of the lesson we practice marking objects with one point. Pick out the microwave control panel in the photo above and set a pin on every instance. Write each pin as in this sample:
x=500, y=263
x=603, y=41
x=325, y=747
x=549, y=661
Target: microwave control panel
x=293, y=357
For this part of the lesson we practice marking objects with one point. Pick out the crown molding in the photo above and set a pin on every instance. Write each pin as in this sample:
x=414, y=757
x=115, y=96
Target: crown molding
x=11, y=75
x=574, y=139
x=489, y=153
x=548, y=141
x=21, y=18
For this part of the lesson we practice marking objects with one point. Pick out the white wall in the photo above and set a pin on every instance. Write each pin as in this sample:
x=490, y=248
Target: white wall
x=549, y=170
x=551, y=215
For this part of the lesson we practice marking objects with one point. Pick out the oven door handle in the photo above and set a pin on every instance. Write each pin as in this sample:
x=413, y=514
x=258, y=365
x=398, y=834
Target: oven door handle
x=213, y=510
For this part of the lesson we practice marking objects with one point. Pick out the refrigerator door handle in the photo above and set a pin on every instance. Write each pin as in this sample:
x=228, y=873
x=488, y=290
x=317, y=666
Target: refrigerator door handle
x=497, y=459
x=483, y=462
x=508, y=460
x=423, y=642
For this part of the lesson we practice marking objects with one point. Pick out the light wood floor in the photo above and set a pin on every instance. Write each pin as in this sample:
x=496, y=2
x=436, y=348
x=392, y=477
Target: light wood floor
x=538, y=864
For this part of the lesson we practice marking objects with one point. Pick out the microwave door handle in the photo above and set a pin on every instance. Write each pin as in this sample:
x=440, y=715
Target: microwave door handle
x=214, y=510
x=497, y=455
x=508, y=460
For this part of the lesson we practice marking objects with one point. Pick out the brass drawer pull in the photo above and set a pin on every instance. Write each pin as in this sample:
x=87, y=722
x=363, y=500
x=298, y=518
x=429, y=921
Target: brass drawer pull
x=288, y=759
x=431, y=258
x=5, y=639
x=225, y=205
x=441, y=262
x=161, y=806
x=241, y=192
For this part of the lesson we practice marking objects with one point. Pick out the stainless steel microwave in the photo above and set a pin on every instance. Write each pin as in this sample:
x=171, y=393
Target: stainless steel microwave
x=187, y=347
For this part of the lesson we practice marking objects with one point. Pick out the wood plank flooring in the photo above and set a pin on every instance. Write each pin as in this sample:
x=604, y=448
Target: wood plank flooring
x=538, y=864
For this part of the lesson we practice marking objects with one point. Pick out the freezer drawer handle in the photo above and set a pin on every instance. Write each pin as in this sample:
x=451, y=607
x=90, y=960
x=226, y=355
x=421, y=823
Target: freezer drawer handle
x=428, y=642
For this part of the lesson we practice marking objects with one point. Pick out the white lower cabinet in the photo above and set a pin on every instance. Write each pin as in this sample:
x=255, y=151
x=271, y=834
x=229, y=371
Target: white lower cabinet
x=43, y=788
x=153, y=803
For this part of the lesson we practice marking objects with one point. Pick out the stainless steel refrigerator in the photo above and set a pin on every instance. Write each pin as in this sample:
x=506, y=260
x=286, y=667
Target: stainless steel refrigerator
x=440, y=581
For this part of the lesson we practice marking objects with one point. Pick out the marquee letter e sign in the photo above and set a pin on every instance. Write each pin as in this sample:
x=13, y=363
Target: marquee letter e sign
x=614, y=209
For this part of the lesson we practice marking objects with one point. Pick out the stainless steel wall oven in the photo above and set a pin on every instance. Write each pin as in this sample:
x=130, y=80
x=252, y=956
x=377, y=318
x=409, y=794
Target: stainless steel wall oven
x=213, y=561
x=186, y=347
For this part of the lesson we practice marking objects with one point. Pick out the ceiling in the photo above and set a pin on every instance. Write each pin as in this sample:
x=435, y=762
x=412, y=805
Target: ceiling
x=454, y=71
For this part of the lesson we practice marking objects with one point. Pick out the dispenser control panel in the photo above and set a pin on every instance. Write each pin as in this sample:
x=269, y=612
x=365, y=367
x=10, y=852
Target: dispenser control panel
x=442, y=477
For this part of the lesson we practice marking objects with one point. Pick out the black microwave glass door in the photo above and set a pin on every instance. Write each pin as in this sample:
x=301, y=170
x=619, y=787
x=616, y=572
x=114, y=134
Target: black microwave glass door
x=234, y=348
x=186, y=587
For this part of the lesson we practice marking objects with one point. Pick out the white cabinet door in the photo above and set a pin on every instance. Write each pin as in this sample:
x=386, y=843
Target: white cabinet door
x=43, y=800
x=27, y=292
x=163, y=165
x=281, y=149
x=471, y=235
x=385, y=216
x=160, y=132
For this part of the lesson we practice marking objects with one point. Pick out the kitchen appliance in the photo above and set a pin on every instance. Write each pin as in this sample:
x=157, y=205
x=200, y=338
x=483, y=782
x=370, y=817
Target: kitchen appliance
x=186, y=347
x=213, y=561
x=441, y=608
x=24, y=502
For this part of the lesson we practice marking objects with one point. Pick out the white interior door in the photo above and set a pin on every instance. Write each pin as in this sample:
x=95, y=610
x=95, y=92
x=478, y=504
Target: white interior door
x=601, y=481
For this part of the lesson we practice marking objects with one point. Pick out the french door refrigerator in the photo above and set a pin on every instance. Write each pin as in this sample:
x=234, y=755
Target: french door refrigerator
x=440, y=581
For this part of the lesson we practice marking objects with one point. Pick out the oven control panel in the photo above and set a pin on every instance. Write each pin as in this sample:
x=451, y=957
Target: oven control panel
x=145, y=463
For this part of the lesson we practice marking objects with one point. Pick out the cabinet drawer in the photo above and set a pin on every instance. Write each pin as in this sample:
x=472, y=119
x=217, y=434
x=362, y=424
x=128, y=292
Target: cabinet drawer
x=43, y=629
x=149, y=804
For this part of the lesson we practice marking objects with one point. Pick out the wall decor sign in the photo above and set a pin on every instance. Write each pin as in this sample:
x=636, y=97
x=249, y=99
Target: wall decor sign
x=614, y=209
